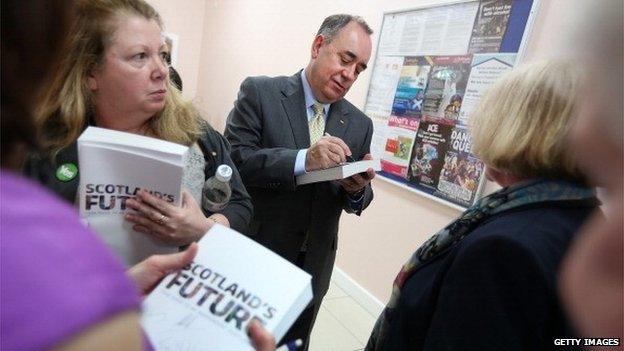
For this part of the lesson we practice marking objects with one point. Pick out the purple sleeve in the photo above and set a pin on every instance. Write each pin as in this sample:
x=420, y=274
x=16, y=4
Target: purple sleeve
x=58, y=279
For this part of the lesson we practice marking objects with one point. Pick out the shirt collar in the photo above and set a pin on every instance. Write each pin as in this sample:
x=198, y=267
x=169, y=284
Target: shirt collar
x=309, y=96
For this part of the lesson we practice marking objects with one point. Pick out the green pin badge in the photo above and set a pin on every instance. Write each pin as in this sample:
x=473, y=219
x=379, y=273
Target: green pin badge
x=66, y=172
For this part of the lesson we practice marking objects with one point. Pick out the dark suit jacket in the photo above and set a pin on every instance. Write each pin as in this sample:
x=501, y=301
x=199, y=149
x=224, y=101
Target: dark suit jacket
x=266, y=128
x=495, y=290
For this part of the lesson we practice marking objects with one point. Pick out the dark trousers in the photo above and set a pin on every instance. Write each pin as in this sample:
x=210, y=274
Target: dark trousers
x=302, y=328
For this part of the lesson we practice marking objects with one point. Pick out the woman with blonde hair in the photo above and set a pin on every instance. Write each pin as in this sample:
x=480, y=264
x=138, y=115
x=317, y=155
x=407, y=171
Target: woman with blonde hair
x=114, y=75
x=61, y=289
x=487, y=281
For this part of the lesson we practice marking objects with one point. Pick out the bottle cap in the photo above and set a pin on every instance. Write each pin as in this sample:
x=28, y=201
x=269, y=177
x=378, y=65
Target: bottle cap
x=224, y=173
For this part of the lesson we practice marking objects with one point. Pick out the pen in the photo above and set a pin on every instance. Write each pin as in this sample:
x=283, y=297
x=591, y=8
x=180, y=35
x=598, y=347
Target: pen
x=348, y=157
x=291, y=346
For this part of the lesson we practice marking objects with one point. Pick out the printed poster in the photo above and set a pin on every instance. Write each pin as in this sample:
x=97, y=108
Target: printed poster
x=410, y=91
x=447, y=83
x=427, y=159
x=462, y=171
x=400, y=137
x=486, y=69
x=490, y=26
x=383, y=86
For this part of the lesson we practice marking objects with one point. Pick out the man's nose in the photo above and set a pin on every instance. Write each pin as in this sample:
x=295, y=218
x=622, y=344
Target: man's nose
x=349, y=73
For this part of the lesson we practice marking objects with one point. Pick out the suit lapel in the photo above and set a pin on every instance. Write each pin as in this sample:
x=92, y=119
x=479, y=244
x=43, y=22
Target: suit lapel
x=337, y=121
x=294, y=105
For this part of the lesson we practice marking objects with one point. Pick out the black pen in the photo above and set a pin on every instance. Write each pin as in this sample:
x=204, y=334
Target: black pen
x=348, y=157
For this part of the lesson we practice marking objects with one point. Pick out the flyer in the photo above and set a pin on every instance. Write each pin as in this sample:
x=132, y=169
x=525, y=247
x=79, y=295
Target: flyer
x=490, y=26
x=486, y=69
x=447, y=83
x=400, y=136
x=462, y=171
x=410, y=91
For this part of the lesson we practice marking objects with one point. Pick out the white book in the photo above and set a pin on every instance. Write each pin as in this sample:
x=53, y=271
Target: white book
x=113, y=167
x=339, y=172
x=209, y=303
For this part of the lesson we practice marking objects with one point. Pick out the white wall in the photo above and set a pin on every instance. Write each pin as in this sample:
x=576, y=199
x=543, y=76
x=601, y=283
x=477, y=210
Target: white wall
x=273, y=37
x=186, y=19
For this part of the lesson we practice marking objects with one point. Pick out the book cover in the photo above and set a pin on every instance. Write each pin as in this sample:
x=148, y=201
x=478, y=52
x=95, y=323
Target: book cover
x=209, y=303
x=113, y=167
x=338, y=172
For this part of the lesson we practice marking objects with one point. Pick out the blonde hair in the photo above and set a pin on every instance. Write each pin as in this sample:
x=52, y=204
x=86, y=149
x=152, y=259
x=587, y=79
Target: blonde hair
x=65, y=105
x=521, y=124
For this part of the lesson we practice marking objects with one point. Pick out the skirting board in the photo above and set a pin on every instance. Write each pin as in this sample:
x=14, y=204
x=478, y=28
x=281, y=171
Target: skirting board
x=369, y=302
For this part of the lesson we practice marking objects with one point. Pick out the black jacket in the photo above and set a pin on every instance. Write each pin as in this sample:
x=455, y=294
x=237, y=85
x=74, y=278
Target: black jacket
x=495, y=290
x=216, y=152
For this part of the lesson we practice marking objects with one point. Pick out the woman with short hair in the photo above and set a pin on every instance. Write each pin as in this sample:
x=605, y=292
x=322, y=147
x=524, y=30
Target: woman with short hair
x=487, y=281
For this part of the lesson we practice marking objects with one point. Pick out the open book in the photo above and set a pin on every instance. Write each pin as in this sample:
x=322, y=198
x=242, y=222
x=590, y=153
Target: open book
x=113, y=167
x=339, y=172
x=209, y=303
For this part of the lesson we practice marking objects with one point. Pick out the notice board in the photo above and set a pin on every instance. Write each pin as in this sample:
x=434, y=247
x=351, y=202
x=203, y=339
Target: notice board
x=432, y=65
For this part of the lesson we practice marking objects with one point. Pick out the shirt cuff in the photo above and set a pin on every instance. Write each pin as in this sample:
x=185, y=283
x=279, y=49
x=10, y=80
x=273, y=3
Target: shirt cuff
x=300, y=162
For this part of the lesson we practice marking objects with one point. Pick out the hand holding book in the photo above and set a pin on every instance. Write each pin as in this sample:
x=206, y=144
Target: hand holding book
x=168, y=223
x=357, y=182
x=148, y=273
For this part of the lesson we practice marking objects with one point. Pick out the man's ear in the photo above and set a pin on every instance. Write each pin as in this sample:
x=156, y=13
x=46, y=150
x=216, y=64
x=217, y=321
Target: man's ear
x=316, y=45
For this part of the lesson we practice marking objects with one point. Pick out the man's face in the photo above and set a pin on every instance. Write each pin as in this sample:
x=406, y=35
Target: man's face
x=335, y=66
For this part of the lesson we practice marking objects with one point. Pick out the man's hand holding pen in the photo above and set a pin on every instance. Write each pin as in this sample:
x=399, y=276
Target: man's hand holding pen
x=328, y=152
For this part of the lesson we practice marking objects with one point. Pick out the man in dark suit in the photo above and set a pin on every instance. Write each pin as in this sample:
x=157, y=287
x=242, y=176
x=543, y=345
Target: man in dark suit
x=285, y=126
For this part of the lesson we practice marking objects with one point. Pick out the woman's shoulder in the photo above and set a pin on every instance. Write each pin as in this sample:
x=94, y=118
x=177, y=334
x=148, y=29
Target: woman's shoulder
x=529, y=223
x=211, y=138
x=540, y=234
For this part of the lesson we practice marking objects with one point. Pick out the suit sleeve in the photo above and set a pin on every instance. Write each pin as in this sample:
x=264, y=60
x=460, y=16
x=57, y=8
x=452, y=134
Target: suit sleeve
x=494, y=297
x=348, y=204
x=239, y=209
x=260, y=167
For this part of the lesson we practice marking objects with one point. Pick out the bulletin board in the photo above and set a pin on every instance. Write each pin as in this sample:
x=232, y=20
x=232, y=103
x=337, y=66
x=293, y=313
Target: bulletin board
x=432, y=65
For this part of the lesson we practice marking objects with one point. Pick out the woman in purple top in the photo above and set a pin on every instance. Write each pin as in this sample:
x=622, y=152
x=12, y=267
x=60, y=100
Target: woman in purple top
x=60, y=286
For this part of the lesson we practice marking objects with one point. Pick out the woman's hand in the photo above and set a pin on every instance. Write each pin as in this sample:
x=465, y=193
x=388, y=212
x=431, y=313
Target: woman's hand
x=148, y=273
x=261, y=339
x=171, y=224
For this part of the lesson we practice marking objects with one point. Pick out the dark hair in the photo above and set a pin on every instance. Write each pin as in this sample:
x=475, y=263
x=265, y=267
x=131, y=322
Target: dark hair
x=175, y=78
x=456, y=97
x=31, y=33
x=334, y=23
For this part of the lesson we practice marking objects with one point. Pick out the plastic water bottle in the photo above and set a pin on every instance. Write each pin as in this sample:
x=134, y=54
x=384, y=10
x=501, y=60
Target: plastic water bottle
x=217, y=190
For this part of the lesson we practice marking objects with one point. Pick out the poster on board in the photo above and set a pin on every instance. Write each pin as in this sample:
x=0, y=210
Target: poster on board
x=461, y=48
x=400, y=135
x=461, y=173
x=490, y=26
x=447, y=83
x=486, y=69
x=410, y=91
x=430, y=146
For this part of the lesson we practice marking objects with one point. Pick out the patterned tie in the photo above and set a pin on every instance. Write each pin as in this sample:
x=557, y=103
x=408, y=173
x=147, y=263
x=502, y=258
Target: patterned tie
x=317, y=123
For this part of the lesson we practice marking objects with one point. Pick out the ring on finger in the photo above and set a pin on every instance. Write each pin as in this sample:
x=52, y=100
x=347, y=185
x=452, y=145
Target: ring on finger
x=162, y=219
